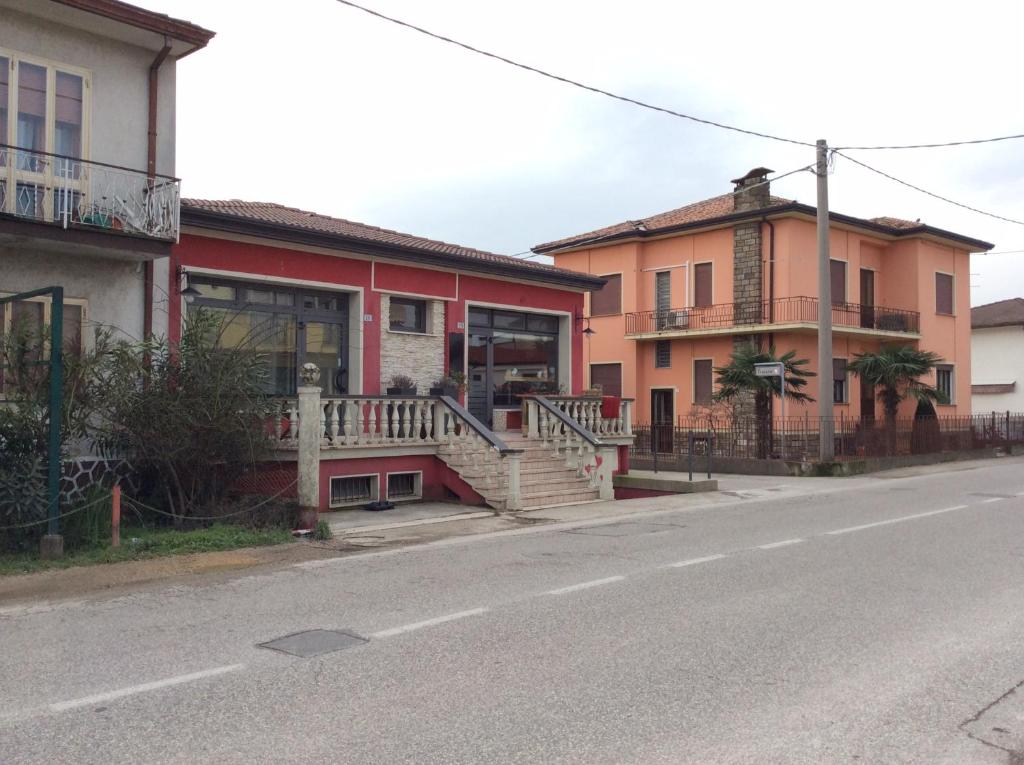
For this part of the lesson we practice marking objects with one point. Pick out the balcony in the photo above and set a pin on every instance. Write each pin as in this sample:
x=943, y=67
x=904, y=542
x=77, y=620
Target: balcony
x=45, y=188
x=783, y=314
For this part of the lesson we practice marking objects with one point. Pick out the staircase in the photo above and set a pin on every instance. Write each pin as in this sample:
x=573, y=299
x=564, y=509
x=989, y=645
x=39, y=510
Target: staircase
x=544, y=478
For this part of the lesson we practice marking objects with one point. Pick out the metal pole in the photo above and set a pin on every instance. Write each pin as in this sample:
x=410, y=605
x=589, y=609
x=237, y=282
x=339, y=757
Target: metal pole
x=825, y=445
x=53, y=466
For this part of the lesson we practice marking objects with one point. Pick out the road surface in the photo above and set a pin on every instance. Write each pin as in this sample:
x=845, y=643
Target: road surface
x=869, y=620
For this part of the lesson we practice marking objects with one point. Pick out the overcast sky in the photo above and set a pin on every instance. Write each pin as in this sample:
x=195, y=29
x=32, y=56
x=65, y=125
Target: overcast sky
x=316, y=105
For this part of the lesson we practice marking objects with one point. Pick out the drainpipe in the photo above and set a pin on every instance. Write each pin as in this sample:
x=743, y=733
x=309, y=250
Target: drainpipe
x=154, y=83
x=771, y=271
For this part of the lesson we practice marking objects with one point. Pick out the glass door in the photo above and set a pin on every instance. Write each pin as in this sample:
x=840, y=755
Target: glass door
x=478, y=378
x=322, y=343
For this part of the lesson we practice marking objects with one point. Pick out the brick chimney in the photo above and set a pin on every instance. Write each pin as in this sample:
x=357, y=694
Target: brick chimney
x=752, y=198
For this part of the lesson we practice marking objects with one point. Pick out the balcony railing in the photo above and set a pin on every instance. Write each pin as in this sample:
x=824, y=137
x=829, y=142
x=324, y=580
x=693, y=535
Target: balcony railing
x=75, y=193
x=790, y=310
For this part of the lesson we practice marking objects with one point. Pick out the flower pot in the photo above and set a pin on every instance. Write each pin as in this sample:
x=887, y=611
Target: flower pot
x=452, y=391
x=401, y=391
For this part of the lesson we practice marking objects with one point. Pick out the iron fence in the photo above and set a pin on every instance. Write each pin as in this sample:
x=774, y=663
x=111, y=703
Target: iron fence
x=796, y=438
x=787, y=310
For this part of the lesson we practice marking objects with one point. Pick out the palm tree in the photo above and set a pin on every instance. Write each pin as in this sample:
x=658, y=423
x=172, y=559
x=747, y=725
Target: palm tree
x=739, y=377
x=896, y=371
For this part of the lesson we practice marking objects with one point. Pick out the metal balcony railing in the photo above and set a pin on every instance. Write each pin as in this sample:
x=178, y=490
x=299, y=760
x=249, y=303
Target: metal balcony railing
x=73, y=193
x=790, y=310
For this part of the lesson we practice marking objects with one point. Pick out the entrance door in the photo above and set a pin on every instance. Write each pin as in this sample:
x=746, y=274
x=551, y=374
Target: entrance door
x=867, y=401
x=323, y=343
x=662, y=418
x=867, y=298
x=478, y=379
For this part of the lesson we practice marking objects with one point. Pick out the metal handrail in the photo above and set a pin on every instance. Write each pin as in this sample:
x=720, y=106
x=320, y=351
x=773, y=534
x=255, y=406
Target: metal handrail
x=568, y=421
x=481, y=430
x=89, y=162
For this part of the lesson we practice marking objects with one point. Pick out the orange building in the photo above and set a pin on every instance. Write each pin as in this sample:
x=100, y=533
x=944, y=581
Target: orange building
x=685, y=286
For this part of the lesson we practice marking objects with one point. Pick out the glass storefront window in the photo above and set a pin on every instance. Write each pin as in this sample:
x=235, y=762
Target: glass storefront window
x=523, y=363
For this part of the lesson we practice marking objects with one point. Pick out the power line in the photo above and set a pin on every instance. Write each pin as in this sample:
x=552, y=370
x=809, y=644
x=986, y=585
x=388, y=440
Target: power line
x=929, y=193
x=1001, y=252
x=934, y=145
x=644, y=104
x=568, y=81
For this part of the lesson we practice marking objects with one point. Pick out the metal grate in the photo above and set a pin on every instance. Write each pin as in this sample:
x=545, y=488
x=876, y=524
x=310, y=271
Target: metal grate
x=401, y=485
x=345, y=489
x=314, y=642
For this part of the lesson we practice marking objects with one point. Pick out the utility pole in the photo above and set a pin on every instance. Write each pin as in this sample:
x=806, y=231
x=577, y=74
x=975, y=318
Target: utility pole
x=826, y=447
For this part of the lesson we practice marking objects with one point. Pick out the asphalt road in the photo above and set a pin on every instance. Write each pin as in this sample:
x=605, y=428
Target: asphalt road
x=874, y=620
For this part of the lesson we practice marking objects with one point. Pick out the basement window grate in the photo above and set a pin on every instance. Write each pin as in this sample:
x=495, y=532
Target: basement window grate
x=353, y=489
x=405, y=485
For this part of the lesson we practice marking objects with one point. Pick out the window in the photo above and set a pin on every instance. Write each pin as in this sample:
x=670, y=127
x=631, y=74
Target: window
x=408, y=315
x=944, y=293
x=43, y=108
x=945, y=383
x=608, y=377
x=354, y=489
x=840, y=394
x=702, y=296
x=607, y=301
x=703, y=382
x=838, y=276
x=663, y=354
x=662, y=291
x=288, y=326
x=31, y=319
x=405, y=485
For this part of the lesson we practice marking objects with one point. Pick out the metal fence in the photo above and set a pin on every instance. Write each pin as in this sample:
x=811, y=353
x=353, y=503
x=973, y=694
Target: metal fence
x=796, y=438
x=787, y=310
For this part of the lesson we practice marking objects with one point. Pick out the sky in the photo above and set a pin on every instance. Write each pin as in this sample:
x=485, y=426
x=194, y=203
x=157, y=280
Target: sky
x=317, y=105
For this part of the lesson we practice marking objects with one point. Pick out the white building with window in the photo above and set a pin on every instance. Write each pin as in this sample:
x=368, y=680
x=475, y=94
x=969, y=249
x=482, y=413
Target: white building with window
x=997, y=357
x=88, y=197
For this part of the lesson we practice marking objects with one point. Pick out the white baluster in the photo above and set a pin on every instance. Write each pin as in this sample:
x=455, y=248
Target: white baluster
x=359, y=404
x=393, y=433
x=293, y=423
x=279, y=411
x=347, y=419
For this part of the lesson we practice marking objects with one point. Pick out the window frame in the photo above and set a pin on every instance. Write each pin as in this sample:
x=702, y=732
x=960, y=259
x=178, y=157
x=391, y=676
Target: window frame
x=951, y=369
x=952, y=293
x=618, y=312
x=844, y=380
x=658, y=344
x=7, y=311
x=423, y=316
x=846, y=280
x=590, y=374
x=693, y=377
x=373, y=496
x=711, y=286
x=417, y=486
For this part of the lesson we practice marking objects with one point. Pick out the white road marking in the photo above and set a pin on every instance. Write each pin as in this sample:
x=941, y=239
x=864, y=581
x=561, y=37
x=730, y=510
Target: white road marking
x=694, y=561
x=783, y=543
x=428, y=623
x=902, y=518
x=993, y=499
x=584, y=585
x=99, y=698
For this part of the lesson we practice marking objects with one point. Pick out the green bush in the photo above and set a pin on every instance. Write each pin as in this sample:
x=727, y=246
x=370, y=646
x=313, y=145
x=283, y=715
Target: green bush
x=322, y=531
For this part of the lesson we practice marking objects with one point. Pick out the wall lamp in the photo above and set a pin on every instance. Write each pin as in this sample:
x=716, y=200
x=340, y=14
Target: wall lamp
x=586, y=330
x=190, y=293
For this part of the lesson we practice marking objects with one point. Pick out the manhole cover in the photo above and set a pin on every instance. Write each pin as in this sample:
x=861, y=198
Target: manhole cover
x=314, y=642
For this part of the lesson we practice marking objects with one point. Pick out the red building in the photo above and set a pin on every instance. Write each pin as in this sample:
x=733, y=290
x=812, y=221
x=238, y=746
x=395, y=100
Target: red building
x=367, y=305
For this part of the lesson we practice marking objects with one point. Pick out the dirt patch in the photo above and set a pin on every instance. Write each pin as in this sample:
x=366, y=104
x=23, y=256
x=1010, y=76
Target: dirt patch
x=61, y=584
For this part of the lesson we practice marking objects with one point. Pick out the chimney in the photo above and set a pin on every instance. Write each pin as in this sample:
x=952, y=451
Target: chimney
x=752, y=198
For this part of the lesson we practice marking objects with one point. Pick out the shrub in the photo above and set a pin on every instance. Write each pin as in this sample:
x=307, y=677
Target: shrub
x=322, y=531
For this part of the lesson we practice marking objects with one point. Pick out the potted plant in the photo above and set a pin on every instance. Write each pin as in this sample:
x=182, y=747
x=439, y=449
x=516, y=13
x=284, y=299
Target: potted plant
x=448, y=385
x=401, y=385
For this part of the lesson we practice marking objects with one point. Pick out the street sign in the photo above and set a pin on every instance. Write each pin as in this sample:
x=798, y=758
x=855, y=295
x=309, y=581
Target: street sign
x=768, y=370
x=775, y=369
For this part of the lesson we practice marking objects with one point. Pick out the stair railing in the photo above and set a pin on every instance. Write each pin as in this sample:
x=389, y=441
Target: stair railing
x=583, y=450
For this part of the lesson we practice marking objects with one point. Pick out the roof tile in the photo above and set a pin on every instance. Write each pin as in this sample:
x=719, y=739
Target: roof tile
x=1005, y=313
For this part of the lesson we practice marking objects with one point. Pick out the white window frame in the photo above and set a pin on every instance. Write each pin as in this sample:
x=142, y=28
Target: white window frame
x=374, y=489
x=417, y=483
x=11, y=174
x=7, y=313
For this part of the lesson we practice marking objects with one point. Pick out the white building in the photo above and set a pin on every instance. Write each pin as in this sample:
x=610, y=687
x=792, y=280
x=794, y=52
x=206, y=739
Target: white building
x=88, y=197
x=997, y=357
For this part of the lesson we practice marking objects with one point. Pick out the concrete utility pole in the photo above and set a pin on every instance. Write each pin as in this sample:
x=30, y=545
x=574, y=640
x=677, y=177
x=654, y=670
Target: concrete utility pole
x=826, y=447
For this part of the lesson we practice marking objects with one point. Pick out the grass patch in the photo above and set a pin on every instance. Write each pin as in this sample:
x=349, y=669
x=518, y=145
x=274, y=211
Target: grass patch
x=141, y=543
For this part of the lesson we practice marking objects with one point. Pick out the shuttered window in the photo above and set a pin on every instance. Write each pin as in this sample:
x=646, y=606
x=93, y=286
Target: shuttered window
x=663, y=354
x=663, y=290
x=944, y=293
x=838, y=276
x=607, y=300
x=702, y=285
x=702, y=381
x=839, y=391
x=608, y=377
x=944, y=382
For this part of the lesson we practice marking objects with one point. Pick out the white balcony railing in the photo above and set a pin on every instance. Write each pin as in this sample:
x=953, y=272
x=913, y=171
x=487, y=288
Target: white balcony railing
x=76, y=193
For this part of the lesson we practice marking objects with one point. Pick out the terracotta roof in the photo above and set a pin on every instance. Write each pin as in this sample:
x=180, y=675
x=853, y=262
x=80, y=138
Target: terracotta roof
x=1005, y=313
x=197, y=211
x=708, y=209
x=721, y=209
